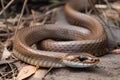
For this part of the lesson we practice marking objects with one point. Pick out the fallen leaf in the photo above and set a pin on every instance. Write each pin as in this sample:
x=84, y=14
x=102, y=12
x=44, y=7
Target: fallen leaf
x=38, y=75
x=5, y=54
x=26, y=72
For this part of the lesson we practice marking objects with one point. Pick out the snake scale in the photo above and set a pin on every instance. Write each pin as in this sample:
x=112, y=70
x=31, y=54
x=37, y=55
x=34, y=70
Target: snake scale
x=79, y=42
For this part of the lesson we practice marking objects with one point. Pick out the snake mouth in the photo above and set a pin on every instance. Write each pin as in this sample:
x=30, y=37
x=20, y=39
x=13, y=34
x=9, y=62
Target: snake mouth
x=80, y=60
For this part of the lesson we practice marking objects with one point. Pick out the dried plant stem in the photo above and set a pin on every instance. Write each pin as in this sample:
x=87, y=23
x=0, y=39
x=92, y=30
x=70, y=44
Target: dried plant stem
x=47, y=72
x=20, y=18
x=5, y=17
x=34, y=16
x=109, y=6
x=6, y=6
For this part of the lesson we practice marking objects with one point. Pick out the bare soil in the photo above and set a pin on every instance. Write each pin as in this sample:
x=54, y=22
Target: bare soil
x=107, y=69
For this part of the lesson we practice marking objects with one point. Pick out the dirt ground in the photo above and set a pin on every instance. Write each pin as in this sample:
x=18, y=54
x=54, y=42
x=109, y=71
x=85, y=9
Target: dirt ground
x=107, y=69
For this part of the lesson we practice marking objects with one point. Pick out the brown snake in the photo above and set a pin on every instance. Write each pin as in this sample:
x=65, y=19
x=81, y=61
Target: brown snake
x=94, y=42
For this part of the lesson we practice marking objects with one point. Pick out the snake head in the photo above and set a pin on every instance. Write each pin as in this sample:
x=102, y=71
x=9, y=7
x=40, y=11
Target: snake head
x=81, y=60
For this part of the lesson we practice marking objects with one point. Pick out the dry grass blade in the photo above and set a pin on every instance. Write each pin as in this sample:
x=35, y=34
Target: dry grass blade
x=7, y=69
x=2, y=3
x=108, y=4
x=20, y=18
x=6, y=6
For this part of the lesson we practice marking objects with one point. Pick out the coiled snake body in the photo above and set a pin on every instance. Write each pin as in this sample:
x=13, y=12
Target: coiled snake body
x=93, y=42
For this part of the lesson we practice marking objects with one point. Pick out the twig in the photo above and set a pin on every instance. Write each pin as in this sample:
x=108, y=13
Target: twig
x=34, y=17
x=52, y=6
x=6, y=34
x=27, y=9
x=6, y=6
x=12, y=70
x=2, y=3
x=47, y=72
x=7, y=61
x=20, y=18
x=109, y=6
x=10, y=63
x=31, y=17
x=92, y=5
x=44, y=20
x=4, y=75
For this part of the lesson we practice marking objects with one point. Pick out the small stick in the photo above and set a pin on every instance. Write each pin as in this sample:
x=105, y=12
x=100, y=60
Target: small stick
x=7, y=29
x=47, y=72
x=6, y=6
x=20, y=18
x=109, y=6
x=52, y=6
x=33, y=15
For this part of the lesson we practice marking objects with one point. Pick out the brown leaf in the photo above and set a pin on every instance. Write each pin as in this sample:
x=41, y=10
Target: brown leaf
x=39, y=74
x=26, y=72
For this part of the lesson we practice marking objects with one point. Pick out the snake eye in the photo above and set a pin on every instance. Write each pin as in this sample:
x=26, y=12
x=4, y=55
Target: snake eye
x=81, y=58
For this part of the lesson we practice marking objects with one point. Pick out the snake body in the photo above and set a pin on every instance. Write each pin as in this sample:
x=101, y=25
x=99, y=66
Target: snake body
x=93, y=42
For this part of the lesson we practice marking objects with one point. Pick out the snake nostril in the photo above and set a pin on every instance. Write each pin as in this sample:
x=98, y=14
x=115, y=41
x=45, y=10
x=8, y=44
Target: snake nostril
x=96, y=60
x=92, y=59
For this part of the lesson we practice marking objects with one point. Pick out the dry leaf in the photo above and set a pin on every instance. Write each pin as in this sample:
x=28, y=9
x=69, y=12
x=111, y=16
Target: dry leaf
x=5, y=54
x=26, y=72
x=39, y=74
